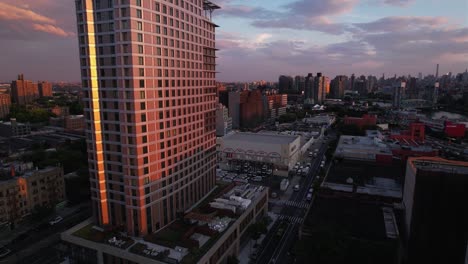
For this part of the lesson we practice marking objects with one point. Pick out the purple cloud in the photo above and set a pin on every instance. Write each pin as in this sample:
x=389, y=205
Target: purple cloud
x=401, y=23
x=398, y=2
x=19, y=20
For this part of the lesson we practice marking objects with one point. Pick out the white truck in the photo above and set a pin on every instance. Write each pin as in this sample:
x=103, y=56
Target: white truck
x=284, y=185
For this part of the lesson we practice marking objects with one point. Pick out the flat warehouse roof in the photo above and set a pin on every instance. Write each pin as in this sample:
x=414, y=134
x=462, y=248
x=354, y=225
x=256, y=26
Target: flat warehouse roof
x=261, y=138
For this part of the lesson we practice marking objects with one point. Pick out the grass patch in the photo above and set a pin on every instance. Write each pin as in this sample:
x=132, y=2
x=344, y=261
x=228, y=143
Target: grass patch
x=89, y=233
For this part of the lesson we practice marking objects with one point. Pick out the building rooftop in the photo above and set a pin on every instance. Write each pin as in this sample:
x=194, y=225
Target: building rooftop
x=261, y=138
x=347, y=230
x=439, y=164
x=366, y=144
x=185, y=240
x=369, y=178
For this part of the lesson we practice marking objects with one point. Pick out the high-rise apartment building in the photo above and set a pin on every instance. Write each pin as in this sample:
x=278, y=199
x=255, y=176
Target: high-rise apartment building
x=23, y=91
x=223, y=121
x=148, y=73
x=436, y=215
x=286, y=84
x=234, y=99
x=338, y=86
x=351, y=82
x=299, y=83
x=45, y=89
x=361, y=85
x=5, y=104
x=398, y=94
x=309, y=87
x=253, y=108
x=320, y=88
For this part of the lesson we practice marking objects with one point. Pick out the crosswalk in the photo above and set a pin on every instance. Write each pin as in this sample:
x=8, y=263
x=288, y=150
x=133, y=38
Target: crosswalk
x=292, y=219
x=296, y=204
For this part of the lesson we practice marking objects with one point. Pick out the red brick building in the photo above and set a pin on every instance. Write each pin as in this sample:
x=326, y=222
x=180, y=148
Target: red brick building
x=5, y=104
x=45, y=89
x=74, y=123
x=23, y=91
x=252, y=108
x=361, y=122
x=416, y=132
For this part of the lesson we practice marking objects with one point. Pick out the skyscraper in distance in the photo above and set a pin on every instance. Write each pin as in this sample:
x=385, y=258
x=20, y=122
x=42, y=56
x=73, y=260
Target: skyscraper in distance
x=338, y=86
x=309, y=87
x=148, y=74
x=23, y=91
x=299, y=84
x=286, y=84
x=320, y=88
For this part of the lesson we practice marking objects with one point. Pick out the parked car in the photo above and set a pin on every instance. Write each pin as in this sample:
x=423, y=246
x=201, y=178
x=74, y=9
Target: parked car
x=296, y=187
x=56, y=220
x=309, y=197
x=257, y=179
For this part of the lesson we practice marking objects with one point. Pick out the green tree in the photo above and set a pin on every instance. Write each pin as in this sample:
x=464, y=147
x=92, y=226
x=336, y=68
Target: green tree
x=232, y=260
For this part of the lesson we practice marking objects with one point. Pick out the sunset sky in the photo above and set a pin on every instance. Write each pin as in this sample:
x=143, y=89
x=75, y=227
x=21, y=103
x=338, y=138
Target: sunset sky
x=262, y=39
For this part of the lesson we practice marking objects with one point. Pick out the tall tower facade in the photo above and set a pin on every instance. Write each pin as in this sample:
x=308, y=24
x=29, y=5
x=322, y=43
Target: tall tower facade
x=285, y=84
x=148, y=74
x=338, y=86
x=309, y=87
x=320, y=88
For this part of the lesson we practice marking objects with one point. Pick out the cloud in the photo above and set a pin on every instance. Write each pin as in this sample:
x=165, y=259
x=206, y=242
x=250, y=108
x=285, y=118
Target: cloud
x=320, y=24
x=244, y=11
x=402, y=23
x=395, y=45
x=18, y=20
x=14, y=13
x=322, y=8
x=299, y=15
x=52, y=30
x=398, y=2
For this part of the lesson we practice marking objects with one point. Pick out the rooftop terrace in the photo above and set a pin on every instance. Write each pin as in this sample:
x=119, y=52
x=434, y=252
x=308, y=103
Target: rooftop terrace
x=261, y=138
x=185, y=240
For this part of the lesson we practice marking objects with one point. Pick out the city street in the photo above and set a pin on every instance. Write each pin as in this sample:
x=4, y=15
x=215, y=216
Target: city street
x=38, y=242
x=278, y=242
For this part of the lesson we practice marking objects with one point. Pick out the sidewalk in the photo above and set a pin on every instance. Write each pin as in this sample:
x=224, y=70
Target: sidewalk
x=247, y=249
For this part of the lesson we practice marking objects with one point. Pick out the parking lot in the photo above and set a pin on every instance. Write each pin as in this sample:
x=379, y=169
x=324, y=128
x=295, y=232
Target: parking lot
x=263, y=173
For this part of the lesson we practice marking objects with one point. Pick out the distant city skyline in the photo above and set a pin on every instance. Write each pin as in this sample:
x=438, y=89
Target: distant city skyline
x=260, y=40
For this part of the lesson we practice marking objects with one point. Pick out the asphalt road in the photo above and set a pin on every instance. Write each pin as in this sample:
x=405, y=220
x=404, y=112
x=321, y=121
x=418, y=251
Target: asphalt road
x=275, y=248
x=37, y=247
